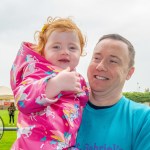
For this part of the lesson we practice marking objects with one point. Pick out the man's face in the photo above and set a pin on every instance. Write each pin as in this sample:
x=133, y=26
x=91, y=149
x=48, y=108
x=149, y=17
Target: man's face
x=109, y=67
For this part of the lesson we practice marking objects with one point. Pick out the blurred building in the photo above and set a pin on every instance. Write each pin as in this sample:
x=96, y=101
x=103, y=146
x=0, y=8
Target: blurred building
x=6, y=97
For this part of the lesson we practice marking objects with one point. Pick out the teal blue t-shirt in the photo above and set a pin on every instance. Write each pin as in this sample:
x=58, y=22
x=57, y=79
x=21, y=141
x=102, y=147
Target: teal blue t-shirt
x=124, y=126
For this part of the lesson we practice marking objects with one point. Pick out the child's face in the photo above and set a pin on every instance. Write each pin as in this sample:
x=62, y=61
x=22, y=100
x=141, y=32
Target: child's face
x=63, y=49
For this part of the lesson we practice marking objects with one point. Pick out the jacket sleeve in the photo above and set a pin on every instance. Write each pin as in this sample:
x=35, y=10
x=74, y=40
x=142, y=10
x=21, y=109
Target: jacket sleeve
x=84, y=95
x=30, y=91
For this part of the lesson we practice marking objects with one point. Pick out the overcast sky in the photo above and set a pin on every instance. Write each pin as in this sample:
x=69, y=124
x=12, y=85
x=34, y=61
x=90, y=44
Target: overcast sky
x=130, y=18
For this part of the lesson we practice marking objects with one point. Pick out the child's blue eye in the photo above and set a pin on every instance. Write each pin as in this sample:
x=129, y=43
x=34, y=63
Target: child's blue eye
x=57, y=47
x=72, y=47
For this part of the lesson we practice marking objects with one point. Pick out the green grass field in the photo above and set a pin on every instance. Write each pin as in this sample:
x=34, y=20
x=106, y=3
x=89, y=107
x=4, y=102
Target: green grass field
x=8, y=137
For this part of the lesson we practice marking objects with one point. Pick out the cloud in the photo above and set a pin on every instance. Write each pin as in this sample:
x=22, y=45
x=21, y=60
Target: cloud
x=20, y=20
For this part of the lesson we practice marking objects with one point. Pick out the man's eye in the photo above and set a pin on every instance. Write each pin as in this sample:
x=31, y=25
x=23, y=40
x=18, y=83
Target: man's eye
x=96, y=59
x=113, y=61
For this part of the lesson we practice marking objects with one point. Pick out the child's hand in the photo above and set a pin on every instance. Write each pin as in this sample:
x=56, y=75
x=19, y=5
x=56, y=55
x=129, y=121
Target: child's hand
x=68, y=80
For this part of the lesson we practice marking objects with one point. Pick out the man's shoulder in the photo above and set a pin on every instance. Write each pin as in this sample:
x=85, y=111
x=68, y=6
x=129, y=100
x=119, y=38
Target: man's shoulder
x=137, y=107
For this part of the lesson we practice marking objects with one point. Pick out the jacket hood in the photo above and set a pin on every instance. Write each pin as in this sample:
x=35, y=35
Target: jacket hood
x=25, y=56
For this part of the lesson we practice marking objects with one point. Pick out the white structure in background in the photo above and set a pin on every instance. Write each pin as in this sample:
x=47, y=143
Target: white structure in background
x=6, y=97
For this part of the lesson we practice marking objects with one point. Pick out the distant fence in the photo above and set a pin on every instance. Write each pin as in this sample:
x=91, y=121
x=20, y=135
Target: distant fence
x=8, y=128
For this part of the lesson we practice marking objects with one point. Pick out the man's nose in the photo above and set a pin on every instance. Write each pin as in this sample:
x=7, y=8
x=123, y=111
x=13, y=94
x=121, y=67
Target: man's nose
x=102, y=66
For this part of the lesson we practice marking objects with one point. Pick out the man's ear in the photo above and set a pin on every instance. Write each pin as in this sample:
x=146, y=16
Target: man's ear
x=131, y=71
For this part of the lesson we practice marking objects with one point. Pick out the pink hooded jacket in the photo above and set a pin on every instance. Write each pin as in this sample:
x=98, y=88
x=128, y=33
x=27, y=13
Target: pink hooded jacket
x=43, y=124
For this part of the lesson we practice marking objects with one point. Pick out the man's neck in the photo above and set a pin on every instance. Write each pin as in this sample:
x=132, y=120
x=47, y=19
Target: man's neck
x=103, y=98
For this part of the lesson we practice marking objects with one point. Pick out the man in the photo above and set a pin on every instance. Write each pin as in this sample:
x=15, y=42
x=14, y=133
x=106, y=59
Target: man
x=110, y=120
x=11, y=110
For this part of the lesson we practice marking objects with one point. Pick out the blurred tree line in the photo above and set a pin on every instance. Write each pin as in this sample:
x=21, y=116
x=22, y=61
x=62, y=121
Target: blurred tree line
x=138, y=96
